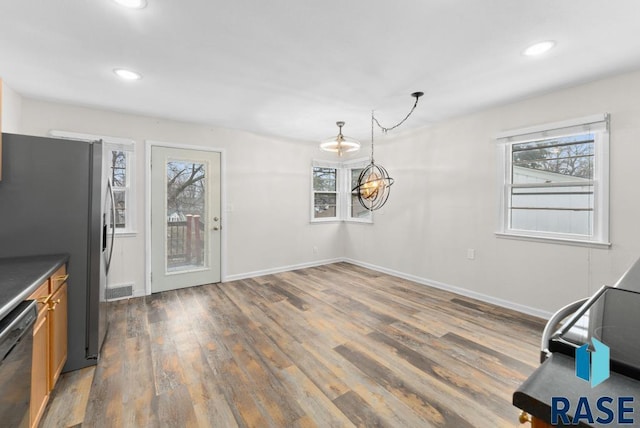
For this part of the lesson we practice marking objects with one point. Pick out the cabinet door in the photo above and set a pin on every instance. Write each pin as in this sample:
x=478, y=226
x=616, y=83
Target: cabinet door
x=58, y=333
x=40, y=367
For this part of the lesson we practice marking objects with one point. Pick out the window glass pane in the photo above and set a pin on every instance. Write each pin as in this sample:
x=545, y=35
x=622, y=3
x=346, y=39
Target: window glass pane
x=553, y=207
x=355, y=174
x=577, y=198
x=324, y=205
x=554, y=160
x=118, y=168
x=357, y=210
x=324, y=179
x=186, y=216
x=557, y=221
x=119, y=197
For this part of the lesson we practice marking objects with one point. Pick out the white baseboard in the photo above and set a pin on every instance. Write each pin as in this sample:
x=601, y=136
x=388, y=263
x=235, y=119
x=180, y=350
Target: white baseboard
x=138, y=293
x=253, y=274
x=424, y=281
x=458, y=290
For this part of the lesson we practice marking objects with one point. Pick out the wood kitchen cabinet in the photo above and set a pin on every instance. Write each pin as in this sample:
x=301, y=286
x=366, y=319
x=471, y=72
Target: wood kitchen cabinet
x=49, y=341
x=57, y=334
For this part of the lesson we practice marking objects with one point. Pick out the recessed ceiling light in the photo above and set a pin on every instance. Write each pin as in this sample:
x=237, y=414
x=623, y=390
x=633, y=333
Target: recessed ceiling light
x=132, y=4
x=539, y=48
x=127, y=74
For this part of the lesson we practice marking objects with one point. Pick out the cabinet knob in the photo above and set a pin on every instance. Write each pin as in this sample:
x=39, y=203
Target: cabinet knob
x=53, y=304
x=524, y=417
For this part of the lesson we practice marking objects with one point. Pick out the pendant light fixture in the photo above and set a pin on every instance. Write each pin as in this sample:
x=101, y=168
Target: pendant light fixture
x=340, y=144
x=374, y=182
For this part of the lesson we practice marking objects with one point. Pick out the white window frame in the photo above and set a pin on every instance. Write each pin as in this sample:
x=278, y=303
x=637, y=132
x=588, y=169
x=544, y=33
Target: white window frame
x=596, y=124
x=128, y=189
x=343, y=191
x=346, y=193
x=112, y=144
x=328, y=165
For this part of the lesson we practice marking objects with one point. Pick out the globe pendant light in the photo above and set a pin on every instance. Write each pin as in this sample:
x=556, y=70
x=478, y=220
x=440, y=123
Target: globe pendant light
x=340, y=144
x=374, y=183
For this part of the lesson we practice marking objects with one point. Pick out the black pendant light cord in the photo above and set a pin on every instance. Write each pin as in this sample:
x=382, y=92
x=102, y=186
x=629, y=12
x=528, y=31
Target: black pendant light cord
x=374, y=182
x=417, y=96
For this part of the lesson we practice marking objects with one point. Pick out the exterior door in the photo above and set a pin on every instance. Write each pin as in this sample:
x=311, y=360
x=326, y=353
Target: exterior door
x=185, y=218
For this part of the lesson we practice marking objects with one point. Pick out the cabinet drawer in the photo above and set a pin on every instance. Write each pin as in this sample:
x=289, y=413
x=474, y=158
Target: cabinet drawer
x=58, y=278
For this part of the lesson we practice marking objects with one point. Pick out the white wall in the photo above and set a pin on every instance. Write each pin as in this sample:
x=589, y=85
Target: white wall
x=11, y=109
x=445, y=201
x=267, y=187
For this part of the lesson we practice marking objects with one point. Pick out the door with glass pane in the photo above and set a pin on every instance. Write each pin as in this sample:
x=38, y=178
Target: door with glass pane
x=185, y=218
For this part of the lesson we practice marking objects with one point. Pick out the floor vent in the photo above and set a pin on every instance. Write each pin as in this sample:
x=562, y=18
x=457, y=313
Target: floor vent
x=119, y=292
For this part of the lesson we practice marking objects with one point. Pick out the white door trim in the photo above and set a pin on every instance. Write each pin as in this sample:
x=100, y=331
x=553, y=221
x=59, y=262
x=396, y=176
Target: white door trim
x=147, y=206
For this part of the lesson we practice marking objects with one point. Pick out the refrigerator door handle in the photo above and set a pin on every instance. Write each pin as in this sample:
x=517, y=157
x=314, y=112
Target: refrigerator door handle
x=113, y=223
x=104, y=232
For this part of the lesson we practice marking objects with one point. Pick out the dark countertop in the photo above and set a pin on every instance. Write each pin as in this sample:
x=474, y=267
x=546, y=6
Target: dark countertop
x=556, y=377
x=21, y=276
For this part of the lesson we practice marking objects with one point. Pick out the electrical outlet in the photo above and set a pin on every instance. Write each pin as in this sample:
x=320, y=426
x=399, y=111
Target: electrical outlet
x=315, y=250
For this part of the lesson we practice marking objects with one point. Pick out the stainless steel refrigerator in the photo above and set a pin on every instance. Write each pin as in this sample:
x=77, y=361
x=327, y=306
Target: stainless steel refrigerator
x=53, y=200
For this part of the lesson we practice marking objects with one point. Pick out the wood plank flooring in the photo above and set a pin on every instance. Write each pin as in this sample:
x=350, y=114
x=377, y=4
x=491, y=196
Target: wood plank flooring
x=330, y=346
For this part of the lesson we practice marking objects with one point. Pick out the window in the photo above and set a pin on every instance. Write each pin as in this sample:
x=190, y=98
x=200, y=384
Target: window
x=118, y=167
x=333, y=198
x=555, y=181
x=355, y=210
x=325, y=193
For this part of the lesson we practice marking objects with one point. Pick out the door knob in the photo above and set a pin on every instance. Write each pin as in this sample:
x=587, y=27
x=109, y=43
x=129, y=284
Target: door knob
x=216, y=219
x=216, y=228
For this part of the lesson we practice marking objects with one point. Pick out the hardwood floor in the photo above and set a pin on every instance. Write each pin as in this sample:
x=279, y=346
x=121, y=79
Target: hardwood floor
x=329, y=346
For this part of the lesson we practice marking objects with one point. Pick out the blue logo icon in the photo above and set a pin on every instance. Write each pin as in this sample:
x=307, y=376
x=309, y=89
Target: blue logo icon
x=593, y=365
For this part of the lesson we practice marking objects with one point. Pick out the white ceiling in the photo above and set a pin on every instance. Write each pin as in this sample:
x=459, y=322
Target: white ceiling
x=292, y=68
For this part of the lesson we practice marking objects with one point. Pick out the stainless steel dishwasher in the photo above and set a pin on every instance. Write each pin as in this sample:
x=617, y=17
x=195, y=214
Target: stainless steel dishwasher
x=16, y=347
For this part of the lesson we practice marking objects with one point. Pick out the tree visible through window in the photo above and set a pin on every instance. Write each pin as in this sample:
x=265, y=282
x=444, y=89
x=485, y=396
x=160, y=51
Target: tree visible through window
x=185, y=188
x=118, y=164
x=325, y=195
x=186, y=215
x=571, y=156
x=119, y=184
